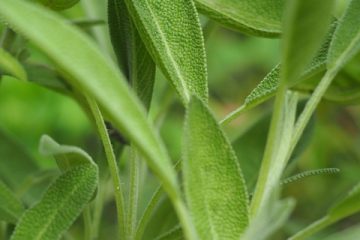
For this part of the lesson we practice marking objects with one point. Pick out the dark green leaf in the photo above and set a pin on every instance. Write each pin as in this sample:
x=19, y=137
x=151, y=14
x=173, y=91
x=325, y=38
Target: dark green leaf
x=58, y=5
x=210, y=166
x=255, y=17
x=131, y=52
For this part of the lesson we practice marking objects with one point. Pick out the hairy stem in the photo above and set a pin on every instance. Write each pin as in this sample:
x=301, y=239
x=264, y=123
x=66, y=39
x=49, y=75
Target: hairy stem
x=277, y=147
x=114, y=171
x=87, y=223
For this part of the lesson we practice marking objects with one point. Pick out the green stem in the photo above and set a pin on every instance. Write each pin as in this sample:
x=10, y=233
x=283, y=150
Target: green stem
x=155, y=199
x=114, y=172
x=133, y=194
x=310, y=107
x=312, y=229
x=153, y=203
x=98, y=209
x=233, y=115
x=277, y=147
x=87, y=223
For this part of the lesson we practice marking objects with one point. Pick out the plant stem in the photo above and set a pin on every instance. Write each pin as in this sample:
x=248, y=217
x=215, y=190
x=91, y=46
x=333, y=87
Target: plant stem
x=310, y=107
x=133, y=194
x=277, y=147
x=230, y=117
x=87, y=223
x=114, y=172
x=312, y=229
x=153, y=203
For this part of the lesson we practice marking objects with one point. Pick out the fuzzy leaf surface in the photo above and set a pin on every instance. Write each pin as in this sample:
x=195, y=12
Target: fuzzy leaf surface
x=131, y=52
x=214, y=185
x=346, y=41
x=172, y=33
x=60, y=206
x=254, y=17
x=10, y=206
x=67, y=157
x=90, y=71
x=305, y=26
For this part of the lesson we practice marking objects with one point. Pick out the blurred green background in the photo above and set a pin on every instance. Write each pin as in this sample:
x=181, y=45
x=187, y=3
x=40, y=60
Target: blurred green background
x=236, y=64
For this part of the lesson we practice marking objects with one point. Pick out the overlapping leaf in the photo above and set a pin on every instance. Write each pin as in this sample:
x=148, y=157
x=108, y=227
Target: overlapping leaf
x=171, y=31
x=214, y=186
x=10, y=206
x=60, y=206
x=255, y=17
x=131, y=52
x=10, y=65
x=89, y=70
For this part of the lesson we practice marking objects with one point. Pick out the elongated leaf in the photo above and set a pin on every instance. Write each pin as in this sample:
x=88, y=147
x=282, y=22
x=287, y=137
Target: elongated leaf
x=172, y=33
x=131, y=52
x=58, y=4
x=255, y=17
x=10, y=206
x=346, y=42
x=305, y=26
x=214, y=185
x=66, y=157
x=86, y=68
x=10, y=65
x=60, y=206
x=347, y=206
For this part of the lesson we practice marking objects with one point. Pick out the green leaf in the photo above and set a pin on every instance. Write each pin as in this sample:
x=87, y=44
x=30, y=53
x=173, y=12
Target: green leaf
x=58, y=5
x=60, y=206
x=254, y=17
x=346, y=41
x=10, y=206
x=10, y=65
x=131, y=52
x=305, y=26
x=172, y=33
x=210, y=166
x=67, y=157
x=173, y=234
x=90, y=71
x=347, y=206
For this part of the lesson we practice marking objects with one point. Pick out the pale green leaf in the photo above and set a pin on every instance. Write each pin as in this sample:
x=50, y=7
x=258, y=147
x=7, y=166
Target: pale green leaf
x=255, y=17
x=305, y=26
x=10, y=206
x=59, y=5
x=60, y=206
x=346, y=41
x=10, y=65
x=90, y=71
x=131, y=52
x=66, y=157
x=210, y=167
x=172, y=33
